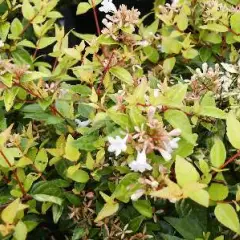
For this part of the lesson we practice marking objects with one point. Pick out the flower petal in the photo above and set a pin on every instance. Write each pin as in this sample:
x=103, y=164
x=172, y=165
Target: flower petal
x=166, y=155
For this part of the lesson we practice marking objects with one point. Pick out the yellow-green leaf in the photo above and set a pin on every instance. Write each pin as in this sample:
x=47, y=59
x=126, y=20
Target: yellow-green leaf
x=89, y=161
x=79, y=176
x=83, y=7
x=200, y=196
x=20, y=232
x=9, y=97
x=218, y=192
x=9, y=213
x=41, y=160
x=122, y=74
x=215, y=27
x=45, y=41
x=182, y=21
x=227, y=215
x=168, y=65
x=218, y=153
x=185, y=172
x=108, y=209
x=233, y=128
x=235, y=22
x=71, y=153
x=27, y=10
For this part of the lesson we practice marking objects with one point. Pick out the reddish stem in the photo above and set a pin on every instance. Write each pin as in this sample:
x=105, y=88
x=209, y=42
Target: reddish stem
x=35, y=53
x=104, y=74
x=96, y=17
x=55, y=111
x=231, y=159
x=14, y=173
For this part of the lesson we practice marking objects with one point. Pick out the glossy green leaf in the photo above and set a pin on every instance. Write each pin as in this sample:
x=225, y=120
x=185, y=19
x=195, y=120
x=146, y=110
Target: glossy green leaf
x=135, y=223
x=144, y=207
x=47, y=198
x=151, y=53
x=182, y=225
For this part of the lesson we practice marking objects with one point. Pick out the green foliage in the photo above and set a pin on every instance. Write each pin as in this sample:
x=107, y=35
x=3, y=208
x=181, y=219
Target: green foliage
x=131, y=134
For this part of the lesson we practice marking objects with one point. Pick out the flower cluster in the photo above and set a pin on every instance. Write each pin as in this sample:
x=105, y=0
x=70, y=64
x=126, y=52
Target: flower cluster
x=204, y=80
x=123, y=19
x=214, y=10
x=156, y=137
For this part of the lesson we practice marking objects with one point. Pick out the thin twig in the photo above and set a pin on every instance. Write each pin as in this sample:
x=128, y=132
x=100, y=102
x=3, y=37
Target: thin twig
x=14, y=173
x=104, y=74
x=96, y=17
x=230, y=160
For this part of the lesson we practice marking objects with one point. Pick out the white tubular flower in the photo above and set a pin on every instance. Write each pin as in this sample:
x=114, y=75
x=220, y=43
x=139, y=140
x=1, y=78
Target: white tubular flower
x=166, y=154
x=135, y=196
x=117, y=145
x=1, y=44
x=140, y=164
x=175, y=132
x=107, y=6
x=174, y=143
x=107, y=23
x=82, y=123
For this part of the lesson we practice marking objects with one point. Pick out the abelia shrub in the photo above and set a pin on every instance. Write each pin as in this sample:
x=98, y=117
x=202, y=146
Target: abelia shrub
x=131, y=134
